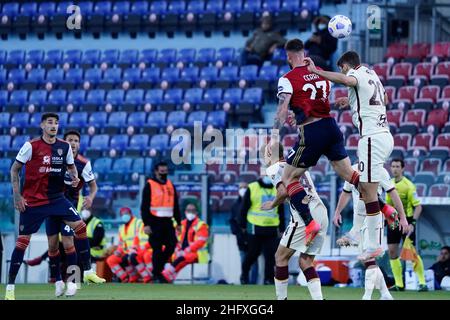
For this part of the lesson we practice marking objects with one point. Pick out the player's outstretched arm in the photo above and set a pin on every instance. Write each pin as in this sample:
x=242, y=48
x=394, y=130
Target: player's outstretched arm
x=72, y=169
x=344, y=198
x=398, y=205
x=19, y=201
x=282, y=111
x=335, y=77
x=279, y=198
x=87, y=202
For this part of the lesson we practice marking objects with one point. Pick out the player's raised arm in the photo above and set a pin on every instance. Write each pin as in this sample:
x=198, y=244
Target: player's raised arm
x=282, y=111
x=335, y=77
x=393, y=194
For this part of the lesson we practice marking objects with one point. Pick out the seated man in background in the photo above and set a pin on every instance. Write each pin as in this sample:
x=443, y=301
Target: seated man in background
x=192, y=246
x=124, y=262
x=442, y=267
x=321, y=45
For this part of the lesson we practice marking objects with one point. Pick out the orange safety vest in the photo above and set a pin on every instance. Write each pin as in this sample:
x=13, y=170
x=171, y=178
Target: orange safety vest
x=162, y=198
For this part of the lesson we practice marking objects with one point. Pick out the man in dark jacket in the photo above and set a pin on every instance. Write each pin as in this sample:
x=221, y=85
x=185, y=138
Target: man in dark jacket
x=442, y=267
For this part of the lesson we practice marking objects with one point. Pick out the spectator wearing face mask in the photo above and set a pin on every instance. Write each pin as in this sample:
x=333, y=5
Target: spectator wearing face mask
x=321, y=45
x=95, y=233
x=159, y=206
x=192, y=244
x=262, y=227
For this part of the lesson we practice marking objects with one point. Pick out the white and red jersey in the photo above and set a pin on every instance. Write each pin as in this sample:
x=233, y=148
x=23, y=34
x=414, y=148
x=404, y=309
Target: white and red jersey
x=309, y=92
x=367, y=102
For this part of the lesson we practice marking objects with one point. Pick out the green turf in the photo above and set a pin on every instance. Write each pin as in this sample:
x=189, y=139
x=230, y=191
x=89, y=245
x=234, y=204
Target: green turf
x=114, y=291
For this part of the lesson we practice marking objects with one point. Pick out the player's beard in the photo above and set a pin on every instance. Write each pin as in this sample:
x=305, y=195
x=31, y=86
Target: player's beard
x=290, y=66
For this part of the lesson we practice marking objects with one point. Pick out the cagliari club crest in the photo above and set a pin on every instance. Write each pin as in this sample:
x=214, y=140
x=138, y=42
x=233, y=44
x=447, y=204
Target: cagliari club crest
x=60, y=152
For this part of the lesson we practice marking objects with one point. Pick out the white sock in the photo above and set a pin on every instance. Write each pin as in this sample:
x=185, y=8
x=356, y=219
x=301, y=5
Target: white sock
x=373, y=223
x=281, y=288
x=88, y=271
x=315, y=289
x=381, y=284
x=10, y=287
x=358, y=222
x=370, y=280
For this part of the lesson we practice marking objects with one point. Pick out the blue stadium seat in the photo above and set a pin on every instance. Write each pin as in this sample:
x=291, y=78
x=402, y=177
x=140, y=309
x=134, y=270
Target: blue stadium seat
x=5, y=166
x=268, y=73
x=38, y=97
x=279, y=55
x=206, y=55
x=35, y=76
x=233, y=6
x=103, y=8
x=61, y=8
x=290, y=6
x=122, y=165
x=132, y=75
x=217, y=118
x=226, y=55
x=15, y=57
x=248, y=73
x=176, y=7
x=148, y=56
x=84, y=142
x=102, y=165
x=2, y=76
x=171, y=75
x=19, y=141
x=16, y=76
x=228, y=73
x=3, y=54
x=47, y=9
x=214, y=6
x=18, y=98
x=20, y=120
x=55, y=76
x=73, y=76
x=173, y=96
x=209, y=73
x=35, y=119
x=159, y=142
x=77, y=97
x=121, y=7
x=167, y=56
x=117, y=119
x=193, y=95
x=91, y=57
x=98, y=119
x=115, y=97
x=233, y=95
x=86, y=7
x=3, y=97
x=186, y=55
x=94, y=75
x=196, y=7
x=197, y=116
x=134, y=96
x=10, y=9
x=190, y=74
x=35, y=57
x=4, y=119
x=283, y=70
x=312, y=5
x=138, y=142
x=128, y=57
x=251, y=6
x=63, y=119
x=110, y=56
x=5, y=142
x=157, y=119
x=137, y=119
x=253, y=95
x=112, y=76
x=119, y=142
x=100, y=142
x=151, y=75
x=53, y=57
x=139, y=7
x=213, y=95
x=271, y=5
x=5, y=190
x=58, y=98
x=177, y=118
x=154, y=96
x=78, y=119
x=72, y=56
x=138, y=166
x=96, y=97
x=158, y=7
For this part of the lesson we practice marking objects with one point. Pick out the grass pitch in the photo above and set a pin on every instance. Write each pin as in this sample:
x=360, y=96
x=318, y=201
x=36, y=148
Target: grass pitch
x=116, y=291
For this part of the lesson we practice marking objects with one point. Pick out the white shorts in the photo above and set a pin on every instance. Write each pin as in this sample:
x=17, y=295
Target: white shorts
x=294, y=235
x=373, y=151
x=364, y=235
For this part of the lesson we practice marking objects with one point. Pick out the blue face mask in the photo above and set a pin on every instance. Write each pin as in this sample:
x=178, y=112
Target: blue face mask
x=126, y=218
x=267, y=180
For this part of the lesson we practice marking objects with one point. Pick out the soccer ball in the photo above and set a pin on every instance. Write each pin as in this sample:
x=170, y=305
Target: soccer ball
x=340, y=26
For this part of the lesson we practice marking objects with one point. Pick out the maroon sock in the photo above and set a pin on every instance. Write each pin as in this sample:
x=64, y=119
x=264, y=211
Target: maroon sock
x=281, y=273
x=370, y=263
x=310, y=273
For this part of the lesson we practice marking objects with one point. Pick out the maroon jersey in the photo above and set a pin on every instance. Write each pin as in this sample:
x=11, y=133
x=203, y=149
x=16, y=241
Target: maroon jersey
x=85, y=175
x=309, y=92
x=45, y=166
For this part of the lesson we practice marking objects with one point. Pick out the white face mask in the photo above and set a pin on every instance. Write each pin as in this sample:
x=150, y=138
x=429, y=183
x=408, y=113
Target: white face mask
x=190, y=216
x=85, y=214
x=242, y=191
x=321, y=26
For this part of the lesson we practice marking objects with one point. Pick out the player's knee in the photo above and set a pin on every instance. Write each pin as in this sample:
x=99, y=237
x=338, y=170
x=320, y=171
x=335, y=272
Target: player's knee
x=67, y=242
x=281, y=258
x=22, y=242
x=80, y=230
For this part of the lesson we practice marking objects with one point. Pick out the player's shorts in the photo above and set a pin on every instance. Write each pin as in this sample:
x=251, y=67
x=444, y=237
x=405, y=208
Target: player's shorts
x=33, y=217
x=294, y=235
x=373, y=151
x=395, y=236
x=322, y=137
x=53, y=225
x=364, y=243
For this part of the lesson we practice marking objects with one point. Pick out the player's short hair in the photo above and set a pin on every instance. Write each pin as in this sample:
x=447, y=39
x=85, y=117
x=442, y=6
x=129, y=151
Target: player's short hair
x=47, y=115
x=160, y=164
x=351, y=58
x=72, y=132
x=402, y=163
x=294, y=45
x=446, y=248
